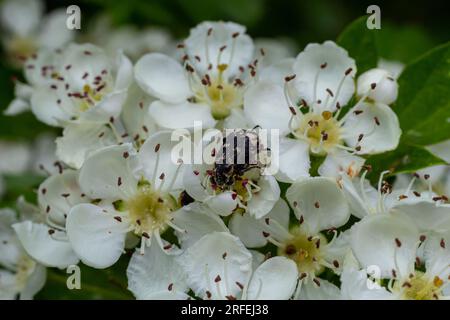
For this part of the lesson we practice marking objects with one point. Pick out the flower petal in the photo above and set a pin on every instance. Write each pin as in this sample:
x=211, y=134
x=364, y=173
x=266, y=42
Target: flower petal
x=155, y=271
x=274, y=279
x=44, y=247
x=377, y=123
x=96, y=237
x=294, y=160
x=187, y=114
x=323, y=66
x=266, y=106
x=341, y=161
x=374, y=242
x=81, y=139
x=109, y=173
x=216, y=264
x=263, y=201
x=197, y=221
x=320, y=201
x=163, y=77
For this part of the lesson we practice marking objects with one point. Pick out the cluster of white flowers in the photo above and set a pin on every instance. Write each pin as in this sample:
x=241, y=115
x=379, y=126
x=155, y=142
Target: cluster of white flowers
x=199, y=230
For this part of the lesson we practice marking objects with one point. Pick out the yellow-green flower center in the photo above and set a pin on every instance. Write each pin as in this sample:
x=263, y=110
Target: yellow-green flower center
x=304, y=250
x=150, y=210
x=420, y=287
x=321, y=130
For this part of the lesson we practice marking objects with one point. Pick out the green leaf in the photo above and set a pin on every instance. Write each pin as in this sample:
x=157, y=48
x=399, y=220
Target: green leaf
x=108, y=284
x=360, y=44
x=423, y=104
x=405, y=159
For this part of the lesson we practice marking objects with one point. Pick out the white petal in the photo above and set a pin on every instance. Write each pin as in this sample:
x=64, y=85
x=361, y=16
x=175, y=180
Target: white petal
x=109, y=106
x=326, y=291
x=45, y=107
x=54, y=33
x=236, y=119
x=308, y=65
x=35, y=283
x=425, y=214
x=58, y=194
x=221, y=34
x=162, y=77
x=193, y=178
x=187, y=114
x=167, y=164
x=45, y=248
x=224, y=203
x=197, y=220
x=276, y=72
x=8, y=287
x=17, y=106
x=124, y=76
x=294, y=160
x=80, y=139
x=437, y=255
x=362, y=198
x=442, y=149
x=394, y=67
x=386, y=89
x=208, y=270
x=96, y=237
x=320, y=201
x=100, y=173
x=154, y=272
x=341, y=161
x=275, y=279
x=14, y=157
x=262, y=202
x=28, y=12
x=84, y=59
x=356, y=286
x=373, y=241
x=135, y=114
x=377, y=138
x=266, y=106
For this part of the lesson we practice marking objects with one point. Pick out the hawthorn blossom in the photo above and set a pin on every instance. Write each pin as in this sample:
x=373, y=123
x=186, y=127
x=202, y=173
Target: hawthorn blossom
x=136, y=193
x=20, y=275
x=308, y=111
x=319, y=205
x=43, y=234
x=391, y=243
x=209, y=83
x=219, y=267
x=27, y=29
x=430, y=211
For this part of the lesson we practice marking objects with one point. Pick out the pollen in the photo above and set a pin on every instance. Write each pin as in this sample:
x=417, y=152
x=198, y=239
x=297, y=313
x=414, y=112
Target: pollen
x=150, y=210
x=304, y=250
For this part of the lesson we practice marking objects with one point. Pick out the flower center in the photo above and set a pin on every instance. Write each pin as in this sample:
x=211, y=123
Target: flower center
x=21, y=47
x=25, y=266
x=304, y=250
x=150, y=210
x=419, y=287
x=220, y=94
x=321, y=130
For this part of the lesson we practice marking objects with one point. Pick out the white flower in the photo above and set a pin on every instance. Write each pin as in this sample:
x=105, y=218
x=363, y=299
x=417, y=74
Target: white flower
x=27, y=29
x=128, y=38
x=319, y=205
x=390, y=242
x=218, y=266
x=428, y=210
x=157, y=274
x=138, y=196
x=20, y=275
x=322, y=84
x=43, y=233
x=386, y=89
x=209, y=83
